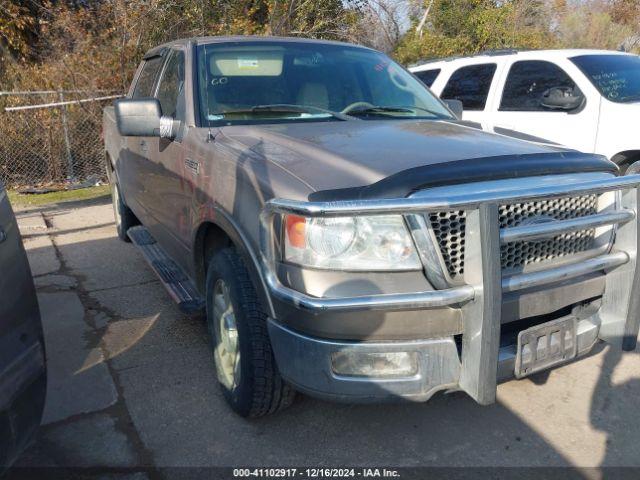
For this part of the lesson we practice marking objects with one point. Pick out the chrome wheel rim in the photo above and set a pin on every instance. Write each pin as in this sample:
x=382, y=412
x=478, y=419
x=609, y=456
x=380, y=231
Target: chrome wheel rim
x=227, y=353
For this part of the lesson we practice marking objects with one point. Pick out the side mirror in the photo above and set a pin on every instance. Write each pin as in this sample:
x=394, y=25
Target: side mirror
x=562, y=98
x=142, y=117
x=455, y=106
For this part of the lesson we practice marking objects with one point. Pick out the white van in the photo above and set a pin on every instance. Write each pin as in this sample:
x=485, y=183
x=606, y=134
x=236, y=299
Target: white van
x=588, y=100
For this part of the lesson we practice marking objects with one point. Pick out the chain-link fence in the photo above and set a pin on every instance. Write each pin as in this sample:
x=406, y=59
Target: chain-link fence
x=51, y=137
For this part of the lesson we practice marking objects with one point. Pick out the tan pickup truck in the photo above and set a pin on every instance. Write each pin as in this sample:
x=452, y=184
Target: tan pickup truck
x=350, y=238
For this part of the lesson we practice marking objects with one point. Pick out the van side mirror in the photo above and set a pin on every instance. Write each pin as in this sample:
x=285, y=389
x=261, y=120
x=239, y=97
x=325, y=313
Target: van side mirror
x=562, y=98
x=142, y=117
x=455, y=106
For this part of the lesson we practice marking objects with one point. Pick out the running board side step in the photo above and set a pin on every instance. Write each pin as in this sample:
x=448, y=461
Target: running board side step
x=177, y=283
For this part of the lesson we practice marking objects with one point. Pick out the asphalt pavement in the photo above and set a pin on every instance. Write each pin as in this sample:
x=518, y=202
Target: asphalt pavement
x=131, y=385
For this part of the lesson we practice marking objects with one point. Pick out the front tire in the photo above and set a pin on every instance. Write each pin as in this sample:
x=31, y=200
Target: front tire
x=245, y=365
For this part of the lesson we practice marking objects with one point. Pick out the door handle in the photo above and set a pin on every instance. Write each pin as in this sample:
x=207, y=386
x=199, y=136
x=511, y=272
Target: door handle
x=3, y=236
x=144, y=146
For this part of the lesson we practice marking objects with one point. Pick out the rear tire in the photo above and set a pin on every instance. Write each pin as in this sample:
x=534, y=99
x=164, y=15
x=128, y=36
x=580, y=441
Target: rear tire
x=245, y=364
x=125, y=219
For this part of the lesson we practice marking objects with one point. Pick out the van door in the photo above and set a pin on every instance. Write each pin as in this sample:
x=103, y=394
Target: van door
x=520, y=107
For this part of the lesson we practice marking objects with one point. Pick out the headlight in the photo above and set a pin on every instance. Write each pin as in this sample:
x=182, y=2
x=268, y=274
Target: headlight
x=350, y=243
x=331, y=237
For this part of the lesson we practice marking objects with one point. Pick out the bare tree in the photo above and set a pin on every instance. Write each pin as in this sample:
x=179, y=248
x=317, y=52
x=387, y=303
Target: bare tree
x=382, y=23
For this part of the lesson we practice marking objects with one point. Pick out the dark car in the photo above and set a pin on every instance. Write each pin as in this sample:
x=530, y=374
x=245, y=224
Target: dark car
x=350, y=238
x=22, y=359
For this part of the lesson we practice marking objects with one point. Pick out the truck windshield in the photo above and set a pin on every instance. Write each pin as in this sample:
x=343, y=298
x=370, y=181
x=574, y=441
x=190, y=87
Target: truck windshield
x=617, y=77
x=275, y=82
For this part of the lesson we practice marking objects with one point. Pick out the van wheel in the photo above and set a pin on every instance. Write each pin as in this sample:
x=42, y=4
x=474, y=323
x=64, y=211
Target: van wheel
x=245, y=365
x=125, y=219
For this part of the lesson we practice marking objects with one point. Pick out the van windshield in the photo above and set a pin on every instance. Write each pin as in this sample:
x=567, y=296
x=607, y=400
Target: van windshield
x=275, y=82
x=617, y=77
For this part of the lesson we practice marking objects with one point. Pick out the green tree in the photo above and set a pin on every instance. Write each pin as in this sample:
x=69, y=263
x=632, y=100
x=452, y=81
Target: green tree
x=461, y=27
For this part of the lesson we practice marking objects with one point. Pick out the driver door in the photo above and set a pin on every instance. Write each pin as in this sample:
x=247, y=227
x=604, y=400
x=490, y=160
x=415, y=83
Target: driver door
x=171, y=183
x=133, y=162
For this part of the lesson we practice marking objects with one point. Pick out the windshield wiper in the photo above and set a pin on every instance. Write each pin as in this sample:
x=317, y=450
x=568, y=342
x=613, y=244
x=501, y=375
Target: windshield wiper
x=393, y=109
x=282, y=108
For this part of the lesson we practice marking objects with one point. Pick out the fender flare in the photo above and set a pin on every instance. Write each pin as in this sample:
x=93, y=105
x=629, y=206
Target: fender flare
x=220, y=218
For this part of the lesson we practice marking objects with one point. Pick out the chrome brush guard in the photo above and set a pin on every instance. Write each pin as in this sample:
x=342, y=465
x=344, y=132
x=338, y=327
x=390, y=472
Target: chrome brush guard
x=480, y=295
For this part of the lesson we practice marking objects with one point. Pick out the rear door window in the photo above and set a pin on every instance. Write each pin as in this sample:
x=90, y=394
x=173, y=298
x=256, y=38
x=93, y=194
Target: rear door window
x=527, y=81
x=147, y=77
x=428, y=76
x=470, y=85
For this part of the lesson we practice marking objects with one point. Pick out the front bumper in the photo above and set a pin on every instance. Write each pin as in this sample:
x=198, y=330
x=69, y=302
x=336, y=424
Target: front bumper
x=305, y=362
x=476, y=369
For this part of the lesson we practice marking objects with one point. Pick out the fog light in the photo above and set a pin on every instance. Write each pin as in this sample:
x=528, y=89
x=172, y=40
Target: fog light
x=361, y=364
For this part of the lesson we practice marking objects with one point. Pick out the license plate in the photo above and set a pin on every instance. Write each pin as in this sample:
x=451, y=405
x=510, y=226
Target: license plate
x=546, y=345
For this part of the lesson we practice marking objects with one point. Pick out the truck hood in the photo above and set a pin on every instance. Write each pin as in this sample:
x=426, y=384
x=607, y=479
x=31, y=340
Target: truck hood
x=347, y=159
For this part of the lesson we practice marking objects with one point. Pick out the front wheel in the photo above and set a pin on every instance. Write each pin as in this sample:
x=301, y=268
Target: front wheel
x=245, y=365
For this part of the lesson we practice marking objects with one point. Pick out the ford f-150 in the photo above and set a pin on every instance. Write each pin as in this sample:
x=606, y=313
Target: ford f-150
x=350, y=238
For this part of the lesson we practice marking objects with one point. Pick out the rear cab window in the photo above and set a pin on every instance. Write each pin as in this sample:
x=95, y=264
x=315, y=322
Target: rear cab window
x=428, y=76
x=147, y=78
x=526, y=82
x=470, y=85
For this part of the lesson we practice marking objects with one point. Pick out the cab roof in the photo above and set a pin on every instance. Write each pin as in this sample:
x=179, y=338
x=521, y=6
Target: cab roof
x=243, y=38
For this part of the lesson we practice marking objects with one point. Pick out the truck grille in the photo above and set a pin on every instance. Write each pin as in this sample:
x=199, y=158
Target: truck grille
x=449, y=230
